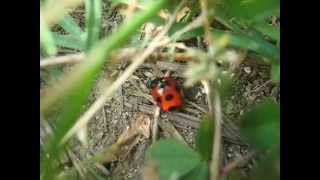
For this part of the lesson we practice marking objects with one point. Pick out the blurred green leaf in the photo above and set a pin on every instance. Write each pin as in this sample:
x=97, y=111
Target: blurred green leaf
x=275, y=72
x=251, y=43
x=69, y=25
x=201, y=172
x=93, y=21
x=205, y=138
x=172, y=158
x=251, y=10
x=268, y=30
x=269, y=166
x=234, y=175
x=46, y=39
x=117, y=2
x=135, y=41
x=190, y=34
x=221, y=16
x=69, y=41
x=51, y=74
x=197, y=71
x=261, y=125
x=225, y=86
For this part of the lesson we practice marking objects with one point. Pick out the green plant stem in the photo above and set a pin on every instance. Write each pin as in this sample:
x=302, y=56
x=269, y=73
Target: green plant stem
x=93, y=21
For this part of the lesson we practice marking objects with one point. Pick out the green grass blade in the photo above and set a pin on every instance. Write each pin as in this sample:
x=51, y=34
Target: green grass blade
x=251, y=43
x=269, y=30
x=93, y=21
x=68, y=41
x=275, y=72
x=75, y=87
x=252, y=10
x=204, y=138
x=69, y=25
x=46, y=39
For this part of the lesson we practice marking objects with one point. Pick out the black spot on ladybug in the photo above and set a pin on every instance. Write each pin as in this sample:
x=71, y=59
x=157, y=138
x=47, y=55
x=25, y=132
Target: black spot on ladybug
x=169, y=97
x=172, y=108
x=158, y=100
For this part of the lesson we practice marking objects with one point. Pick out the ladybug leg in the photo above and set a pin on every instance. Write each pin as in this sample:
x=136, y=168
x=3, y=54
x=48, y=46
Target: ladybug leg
x=167, y=74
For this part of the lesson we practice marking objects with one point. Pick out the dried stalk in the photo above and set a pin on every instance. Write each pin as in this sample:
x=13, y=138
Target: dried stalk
x=216, y=149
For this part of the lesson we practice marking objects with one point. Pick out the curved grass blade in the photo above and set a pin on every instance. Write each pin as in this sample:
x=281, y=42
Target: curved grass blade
x=269, y=30
x=252, y=43
x=240, y=40
x=69, y=25
x=93, y=21
x=68, y=41
x=252, y=10
x=46, y=39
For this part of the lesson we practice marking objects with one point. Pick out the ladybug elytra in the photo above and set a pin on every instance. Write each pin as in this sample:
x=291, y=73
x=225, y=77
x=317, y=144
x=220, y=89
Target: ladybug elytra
x=167, y=93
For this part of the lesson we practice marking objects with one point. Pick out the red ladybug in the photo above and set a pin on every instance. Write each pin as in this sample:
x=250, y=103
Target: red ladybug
x=167, y=93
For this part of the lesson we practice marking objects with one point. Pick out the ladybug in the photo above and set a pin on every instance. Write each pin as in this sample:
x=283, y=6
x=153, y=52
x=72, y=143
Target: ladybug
x=167, y=93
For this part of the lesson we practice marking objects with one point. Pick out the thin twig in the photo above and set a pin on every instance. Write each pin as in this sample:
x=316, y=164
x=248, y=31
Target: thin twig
x=207, y=90
x=155, y=125
x=216, y=111
x=77, y=164
x=68, y=59
x=123, y=55
x=206, y=23
x=216, y=149
x=102, y=169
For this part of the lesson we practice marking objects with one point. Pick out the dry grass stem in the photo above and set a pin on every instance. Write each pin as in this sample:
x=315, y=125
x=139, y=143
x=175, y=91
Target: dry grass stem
x=217, y=143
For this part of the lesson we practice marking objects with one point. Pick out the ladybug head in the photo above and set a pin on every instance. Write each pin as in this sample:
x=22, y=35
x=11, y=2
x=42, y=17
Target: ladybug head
x=157, y=82
x=152, y=83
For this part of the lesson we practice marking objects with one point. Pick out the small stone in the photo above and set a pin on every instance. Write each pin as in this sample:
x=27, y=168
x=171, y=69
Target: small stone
x=148, y=74
x=164, y=115
x=247, y=69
